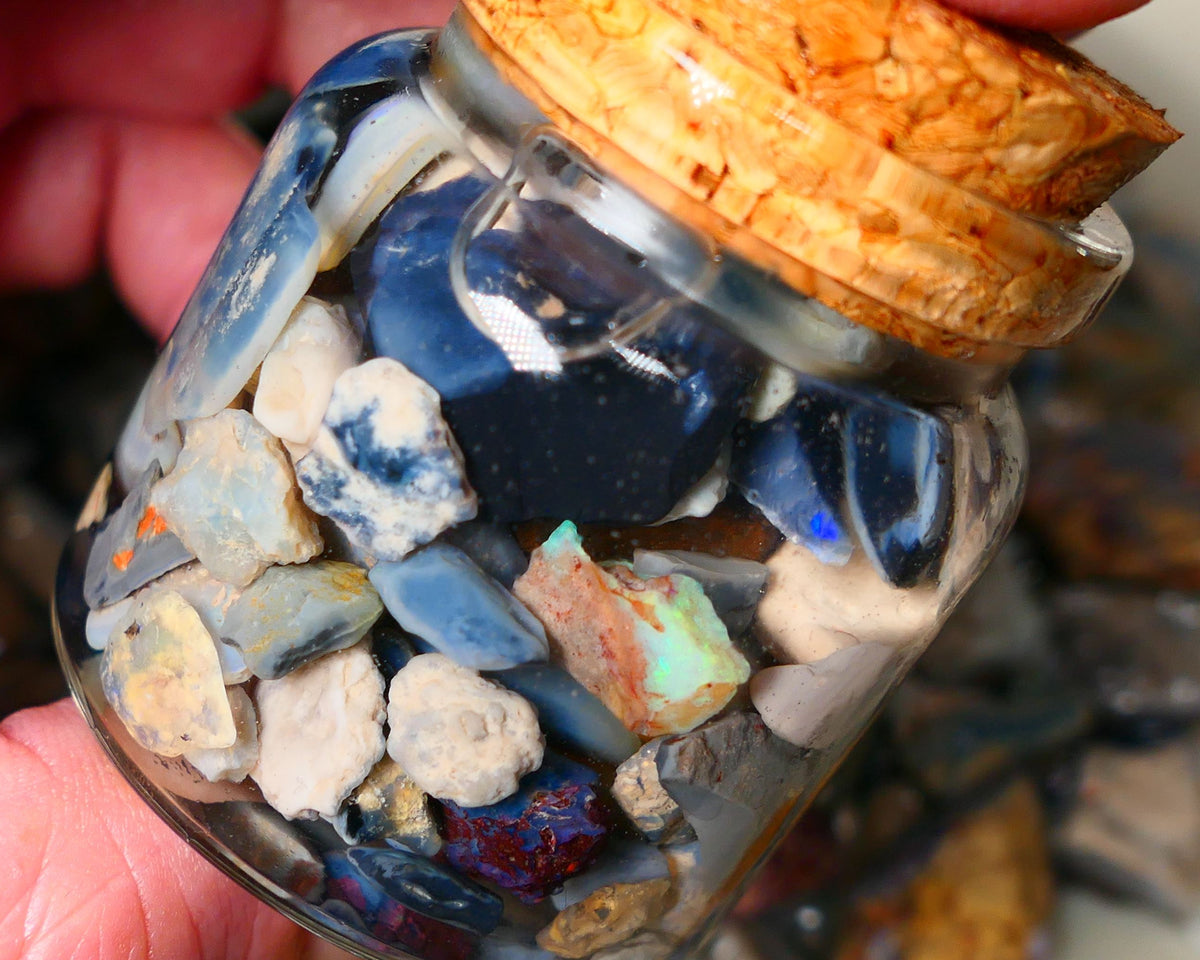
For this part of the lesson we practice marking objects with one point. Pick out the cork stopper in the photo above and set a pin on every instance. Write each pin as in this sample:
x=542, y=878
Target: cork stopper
x=902, y=163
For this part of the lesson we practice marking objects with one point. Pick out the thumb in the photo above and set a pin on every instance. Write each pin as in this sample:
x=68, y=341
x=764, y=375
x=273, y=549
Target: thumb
x=90, y=871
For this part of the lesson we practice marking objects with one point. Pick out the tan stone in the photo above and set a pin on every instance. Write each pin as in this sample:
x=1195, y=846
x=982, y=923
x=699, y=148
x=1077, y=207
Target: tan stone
x=605, y=918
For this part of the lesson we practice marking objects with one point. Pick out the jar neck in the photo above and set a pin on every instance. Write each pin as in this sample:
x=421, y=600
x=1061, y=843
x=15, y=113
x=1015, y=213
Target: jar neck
x=508, y=134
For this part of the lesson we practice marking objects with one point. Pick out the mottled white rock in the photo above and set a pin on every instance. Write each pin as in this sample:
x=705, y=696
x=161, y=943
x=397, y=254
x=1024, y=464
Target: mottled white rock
x=232, y=499
x=161, y=675
x=816, y=704
x=320, y=733
x=811, y=609
x=296, y=378
x=458, y=736
x=384, y=465
x=234, y=762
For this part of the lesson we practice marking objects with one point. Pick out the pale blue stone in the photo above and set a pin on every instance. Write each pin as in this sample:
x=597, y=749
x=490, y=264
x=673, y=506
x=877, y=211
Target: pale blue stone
x=441, y=596
x=294, y=614
x=570, y=713
x=132, y=547
x=428, y=888
x=623, y=861
x=263, y=266
x=732, y=584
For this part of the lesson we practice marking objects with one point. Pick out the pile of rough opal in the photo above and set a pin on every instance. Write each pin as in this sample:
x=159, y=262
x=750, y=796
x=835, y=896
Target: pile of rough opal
x=549, y=643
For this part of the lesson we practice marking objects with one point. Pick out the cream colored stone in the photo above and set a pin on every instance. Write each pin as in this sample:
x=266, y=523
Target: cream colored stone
x=320, y=733
x=458, y=736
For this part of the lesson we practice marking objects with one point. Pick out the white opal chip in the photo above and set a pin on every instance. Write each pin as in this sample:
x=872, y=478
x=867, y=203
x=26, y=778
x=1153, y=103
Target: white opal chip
x=320, y=733
x=296, y=378
x=232, y=499
x=459, y=737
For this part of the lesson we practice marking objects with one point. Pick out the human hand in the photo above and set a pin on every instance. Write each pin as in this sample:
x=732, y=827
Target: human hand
x=112, y=147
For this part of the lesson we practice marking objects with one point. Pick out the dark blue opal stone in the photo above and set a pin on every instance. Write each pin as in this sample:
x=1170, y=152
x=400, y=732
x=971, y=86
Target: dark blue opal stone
x=618, y=437
x=568, y=712
x=790, y=467
x=441, y=596
x=391, y=647
x=429, y=889
x=132, y=547
x=389, y=920
x=839, y=462
x=899, y=472
x=552, y=828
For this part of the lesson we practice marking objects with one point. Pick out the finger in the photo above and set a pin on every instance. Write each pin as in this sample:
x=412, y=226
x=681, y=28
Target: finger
x=1058, y=15
x=169, y=58
x=178, y=59
x=89, y=871
x=154, y=196
x=312, y=31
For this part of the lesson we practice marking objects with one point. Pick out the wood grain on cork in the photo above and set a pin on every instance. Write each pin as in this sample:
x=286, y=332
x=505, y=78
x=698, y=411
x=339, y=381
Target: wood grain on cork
x=717, y=139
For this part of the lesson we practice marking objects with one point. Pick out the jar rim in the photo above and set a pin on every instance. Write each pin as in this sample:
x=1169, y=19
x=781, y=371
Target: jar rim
x=954, y=272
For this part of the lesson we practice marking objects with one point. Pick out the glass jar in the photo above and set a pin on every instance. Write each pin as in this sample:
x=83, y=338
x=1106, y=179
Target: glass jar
x=510, y=540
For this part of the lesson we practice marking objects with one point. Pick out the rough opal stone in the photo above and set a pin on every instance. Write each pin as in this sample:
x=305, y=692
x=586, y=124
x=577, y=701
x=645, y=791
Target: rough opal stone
x=728, y=777
x=426, y=887
x=132, y=547
x=389, y=806
x=623, y=861
x=234, y=762
x=388, y=919
x=551, y=829
x=619, y=437
x=232, y=499
x=262, y=267
x=568, y=712
x=790, y=467
x=734, y=585
x=384, y=466
x=139, y=447
x=320, y=733
x=813, y=704
x=161, y=675
x=211, y=599
x=458, y=736
x=297, y=375
x=605, y=918
x=439, y=594
x=641, y=795
x=653, y=651
x=899, y=476
x=292, y=615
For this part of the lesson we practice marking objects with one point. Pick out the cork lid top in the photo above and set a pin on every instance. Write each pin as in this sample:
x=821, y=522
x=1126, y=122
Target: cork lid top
x=909, y=167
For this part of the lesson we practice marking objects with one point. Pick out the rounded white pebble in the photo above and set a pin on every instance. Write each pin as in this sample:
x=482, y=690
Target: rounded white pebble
x=320, y=733
x=458, y=736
